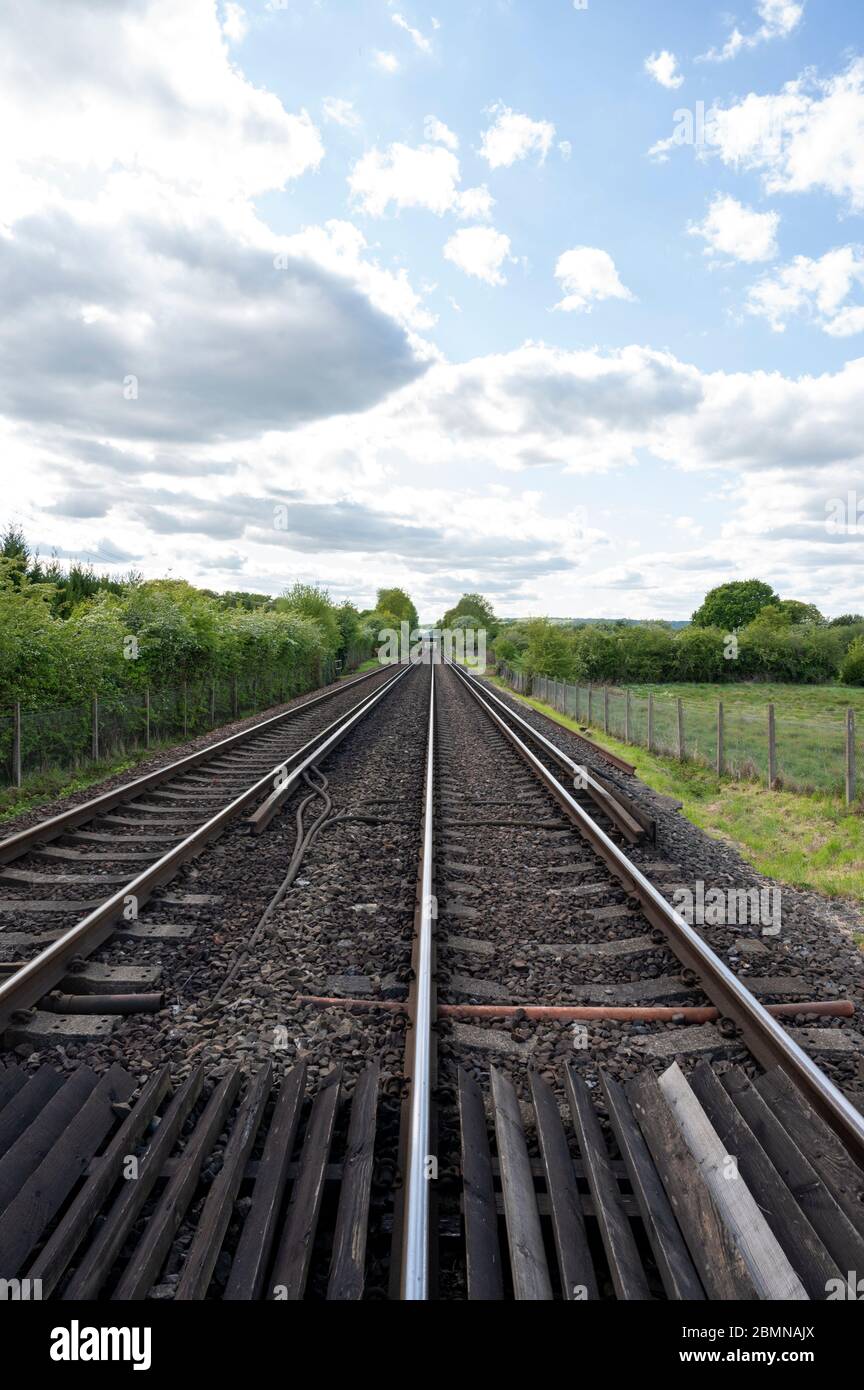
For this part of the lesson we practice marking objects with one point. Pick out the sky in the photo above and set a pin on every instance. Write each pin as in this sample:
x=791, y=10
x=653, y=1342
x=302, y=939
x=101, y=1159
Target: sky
x=562, y=302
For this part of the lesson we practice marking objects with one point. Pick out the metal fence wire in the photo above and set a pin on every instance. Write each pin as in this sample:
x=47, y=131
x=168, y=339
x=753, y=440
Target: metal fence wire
x=46, y=740
x=765, y=745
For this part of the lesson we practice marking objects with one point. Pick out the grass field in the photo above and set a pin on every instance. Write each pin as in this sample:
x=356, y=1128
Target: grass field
x=369, y=665
x=40, y=787
x=817, y=702
x=810, y=723
x=810, y=841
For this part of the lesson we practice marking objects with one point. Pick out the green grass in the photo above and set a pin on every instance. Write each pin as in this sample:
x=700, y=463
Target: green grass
x=47, y=786
x=801, y=701
x=369, y=665
x=809, y=841
x=810, y=725
x=41, y=787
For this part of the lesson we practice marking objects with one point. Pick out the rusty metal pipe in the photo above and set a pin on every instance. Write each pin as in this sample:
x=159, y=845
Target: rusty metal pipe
x=565, y=1013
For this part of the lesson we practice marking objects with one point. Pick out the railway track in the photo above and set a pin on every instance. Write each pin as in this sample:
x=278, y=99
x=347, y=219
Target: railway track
x=160, y=821
x=578, y=1063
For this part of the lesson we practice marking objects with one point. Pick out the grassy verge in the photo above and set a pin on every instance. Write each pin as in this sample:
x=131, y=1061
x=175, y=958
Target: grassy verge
x=369, y=665
x=47, y=786
x=810, y=725
x=809, y=841
x=56, y=782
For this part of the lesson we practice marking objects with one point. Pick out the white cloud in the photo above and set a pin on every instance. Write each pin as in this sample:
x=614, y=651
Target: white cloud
x=593, y=411
x=513, y=136
x=235, y=25
x=814, y=288
x=427, y=176
x=565, y=149
x=170, y=106
x=479, y=251
x=417, y=38
x=387, y=62
x=474, y=203
x=439, y=133
x=134, y=247
x=341, y=112
x=732, y=229
x=779, y=19
x=846, y=322
x=587, y=275
x=808, y=136
x=663, y=67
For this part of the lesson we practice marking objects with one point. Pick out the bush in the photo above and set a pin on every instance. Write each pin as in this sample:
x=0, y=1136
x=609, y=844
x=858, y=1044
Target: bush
x=122, y=637
x=595, y=654
x=549, y=651
x=852, y=668
x=699, y=655
x=644, y=654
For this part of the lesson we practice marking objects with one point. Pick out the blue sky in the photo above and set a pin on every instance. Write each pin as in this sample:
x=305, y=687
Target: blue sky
x=443, y=284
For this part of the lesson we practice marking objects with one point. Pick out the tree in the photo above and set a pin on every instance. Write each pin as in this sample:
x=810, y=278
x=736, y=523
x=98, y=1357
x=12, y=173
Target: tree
x=474, y=606
x=699, y=654
x=549, y=651
x=311, y=601
x=852, y=668
x=15, y=555
x=734, y=604
x=350, y=627
x=645, y=653
x=397, y=602
x=801, y=612
x=774, y=617
x=595, y=654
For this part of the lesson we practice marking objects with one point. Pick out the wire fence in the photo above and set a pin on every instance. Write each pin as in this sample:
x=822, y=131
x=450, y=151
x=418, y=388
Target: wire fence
x=784, y=752
x=34, y=741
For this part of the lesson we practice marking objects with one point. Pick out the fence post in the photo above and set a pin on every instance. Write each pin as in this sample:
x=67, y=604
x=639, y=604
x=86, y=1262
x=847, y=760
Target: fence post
x=212, y=703
x=627, y=715
x=850, y=756
x=590, y=703
x=147, y=716
x=772, y=748
x=605, y=709
x=721, y=752
x=650, y=723
x=234, y=696
x=185, y=709
x=680, y=712
x=16, y=747
x=95, y=728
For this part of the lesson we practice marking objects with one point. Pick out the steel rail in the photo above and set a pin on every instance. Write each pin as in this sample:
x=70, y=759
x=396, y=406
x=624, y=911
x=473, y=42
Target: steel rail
x=16, y=845
x=414, y=1274
x=767, y=1040
x=262, y=817
x=36, y=977
x=618, y=814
